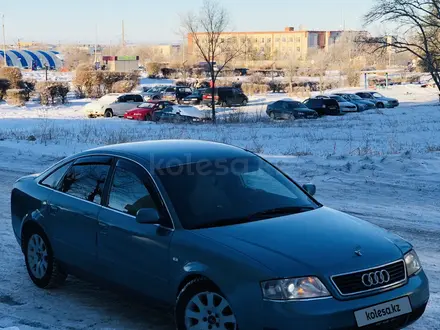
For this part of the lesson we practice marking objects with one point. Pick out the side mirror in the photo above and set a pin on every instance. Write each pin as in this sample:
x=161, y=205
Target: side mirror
x=147, y=216
x=310, y=188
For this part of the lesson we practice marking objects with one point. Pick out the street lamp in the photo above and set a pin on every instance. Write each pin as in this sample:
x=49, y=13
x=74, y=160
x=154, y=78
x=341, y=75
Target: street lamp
x=4, y=39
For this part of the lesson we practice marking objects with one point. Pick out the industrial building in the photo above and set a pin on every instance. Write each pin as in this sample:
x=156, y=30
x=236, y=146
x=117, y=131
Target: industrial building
x=33, y=59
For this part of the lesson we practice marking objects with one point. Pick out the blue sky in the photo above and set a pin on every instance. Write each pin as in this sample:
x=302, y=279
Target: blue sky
x=156, y=21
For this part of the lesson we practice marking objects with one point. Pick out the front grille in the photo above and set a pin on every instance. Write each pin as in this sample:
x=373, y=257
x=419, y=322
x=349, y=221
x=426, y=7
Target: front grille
x=352, y=283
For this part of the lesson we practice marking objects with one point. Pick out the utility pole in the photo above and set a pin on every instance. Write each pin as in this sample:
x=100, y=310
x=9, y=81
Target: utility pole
x=96, y=45
x=123, y=34
x=4, y=40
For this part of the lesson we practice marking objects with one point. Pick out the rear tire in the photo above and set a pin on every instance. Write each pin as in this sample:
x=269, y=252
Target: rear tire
x=148, y=118
x=272, y=116
x=244, y=103
x=43, y=268
x=108, y=113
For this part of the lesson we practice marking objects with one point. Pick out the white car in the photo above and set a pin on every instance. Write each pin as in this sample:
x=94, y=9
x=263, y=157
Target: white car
x=113, y=104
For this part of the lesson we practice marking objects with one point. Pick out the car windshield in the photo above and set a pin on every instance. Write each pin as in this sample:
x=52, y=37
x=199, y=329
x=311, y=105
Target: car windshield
x=108, y=99
x=154, y=90
x=147, y=105
x=377, y=94
x=354, y=97
x=296, y=105
x=231, y=191
x=338, y=98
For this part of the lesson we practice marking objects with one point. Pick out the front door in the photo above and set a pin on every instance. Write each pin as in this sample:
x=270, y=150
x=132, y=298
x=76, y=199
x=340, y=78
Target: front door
x=74, y=209
x=133, y=254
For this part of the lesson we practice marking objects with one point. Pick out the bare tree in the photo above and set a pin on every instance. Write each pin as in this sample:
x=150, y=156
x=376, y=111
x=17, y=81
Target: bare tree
x=417, y=32
x=207, y=29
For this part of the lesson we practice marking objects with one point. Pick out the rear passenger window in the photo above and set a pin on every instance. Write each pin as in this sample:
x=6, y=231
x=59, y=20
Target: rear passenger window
x=138, y=98
x=86, y=181
x=53, y=180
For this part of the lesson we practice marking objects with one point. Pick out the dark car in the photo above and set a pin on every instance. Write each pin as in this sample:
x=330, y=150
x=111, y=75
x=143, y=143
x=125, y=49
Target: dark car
x=195, y=98
x=225, y=96
x=380, y=100
x=146, y=110
x=217, y=232
x=323, y=106
x=289, y=109
x=176, y=93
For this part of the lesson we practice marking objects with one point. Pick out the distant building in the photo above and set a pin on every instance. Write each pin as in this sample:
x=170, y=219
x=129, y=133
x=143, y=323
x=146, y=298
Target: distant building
x=32, y=59
x=166, y=53
x=120, y=63
x=271, y=45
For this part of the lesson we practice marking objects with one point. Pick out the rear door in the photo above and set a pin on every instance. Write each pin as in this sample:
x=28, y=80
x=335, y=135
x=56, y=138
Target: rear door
x=133, y=254
x=74, y=209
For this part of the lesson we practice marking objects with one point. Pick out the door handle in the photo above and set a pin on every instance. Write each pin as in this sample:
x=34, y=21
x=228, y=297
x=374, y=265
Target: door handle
x=53, y=210
x=103, y=228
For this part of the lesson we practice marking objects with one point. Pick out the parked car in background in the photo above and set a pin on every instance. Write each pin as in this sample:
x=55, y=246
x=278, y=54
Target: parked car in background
x=289, y=109
x=179, y=113
x=145, y=110
x=381, y=101
x=217, y=232
x=344, y=105
x=114, y=104
x=154, y=93
x=362, y=104
x=176, y=93
x=225, y=96
x=195, y=98
x=323, y=106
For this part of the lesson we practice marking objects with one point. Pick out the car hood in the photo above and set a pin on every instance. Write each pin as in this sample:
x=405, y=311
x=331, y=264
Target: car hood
x=137, y=110
x=95, y=105
x=322, y=241
x=345, y=104
x=385, y=99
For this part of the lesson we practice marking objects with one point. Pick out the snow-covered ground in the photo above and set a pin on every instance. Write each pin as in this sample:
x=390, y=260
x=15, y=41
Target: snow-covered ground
x=383, y=166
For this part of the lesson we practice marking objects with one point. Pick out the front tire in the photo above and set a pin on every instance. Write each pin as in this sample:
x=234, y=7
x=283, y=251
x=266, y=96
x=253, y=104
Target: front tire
x=43, y=268
x=201, y=304
x=108, y=113
x=380, y=106
x=272, y=115
x=244, y=103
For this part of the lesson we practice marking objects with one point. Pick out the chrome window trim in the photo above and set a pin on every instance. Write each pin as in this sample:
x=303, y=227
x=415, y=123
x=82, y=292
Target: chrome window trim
x=395, y=284
x=106, y=207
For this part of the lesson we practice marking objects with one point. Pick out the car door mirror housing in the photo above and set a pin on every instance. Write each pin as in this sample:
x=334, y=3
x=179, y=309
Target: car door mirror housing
x=148, y=216
x=310, y=188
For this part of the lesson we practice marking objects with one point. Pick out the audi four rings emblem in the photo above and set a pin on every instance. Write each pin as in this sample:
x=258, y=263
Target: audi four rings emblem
x=376, y=278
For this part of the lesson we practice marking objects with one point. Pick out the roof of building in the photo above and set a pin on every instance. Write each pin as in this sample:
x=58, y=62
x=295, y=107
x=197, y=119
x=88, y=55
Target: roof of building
x=27, y=59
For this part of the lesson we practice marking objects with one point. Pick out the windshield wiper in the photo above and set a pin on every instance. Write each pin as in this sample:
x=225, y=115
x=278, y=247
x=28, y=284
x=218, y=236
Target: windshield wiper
x=281, y=211
x=256, y=216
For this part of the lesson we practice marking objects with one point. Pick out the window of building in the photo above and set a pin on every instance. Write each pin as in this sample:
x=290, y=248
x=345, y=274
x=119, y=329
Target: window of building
x=284, y=39
x=277, y=39
x=262, y=39
x=298, y=49
x=298, y=39
x=269, y=39
x=291, y=39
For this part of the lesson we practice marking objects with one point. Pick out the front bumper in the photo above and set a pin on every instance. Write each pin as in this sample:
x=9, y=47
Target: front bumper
x=134, y=117
x=346, y=109
x=193, y=102
x=334, y=314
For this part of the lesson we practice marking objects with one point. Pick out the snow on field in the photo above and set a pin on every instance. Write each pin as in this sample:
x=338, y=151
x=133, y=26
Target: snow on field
x=382, y=166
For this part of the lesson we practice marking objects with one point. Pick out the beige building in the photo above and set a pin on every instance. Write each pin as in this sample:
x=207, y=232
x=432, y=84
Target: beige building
x=120, y=63
x=274, y=45
x=165, y=52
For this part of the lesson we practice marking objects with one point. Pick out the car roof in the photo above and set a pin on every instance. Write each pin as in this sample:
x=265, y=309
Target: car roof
x=168, y=153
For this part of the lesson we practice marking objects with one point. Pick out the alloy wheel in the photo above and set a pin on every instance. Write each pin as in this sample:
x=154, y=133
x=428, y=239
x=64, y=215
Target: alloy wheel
x=37, y=256
x=209, y=310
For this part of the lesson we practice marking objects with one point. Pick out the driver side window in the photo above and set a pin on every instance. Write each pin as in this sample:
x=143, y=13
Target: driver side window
x=129, y=191
x=122, y=99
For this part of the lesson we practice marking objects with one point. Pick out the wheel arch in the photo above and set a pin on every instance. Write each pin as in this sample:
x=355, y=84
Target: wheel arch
x=28, y=225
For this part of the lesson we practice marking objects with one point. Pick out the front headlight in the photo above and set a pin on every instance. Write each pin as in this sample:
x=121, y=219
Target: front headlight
x=412, y=262
x=294, y=289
